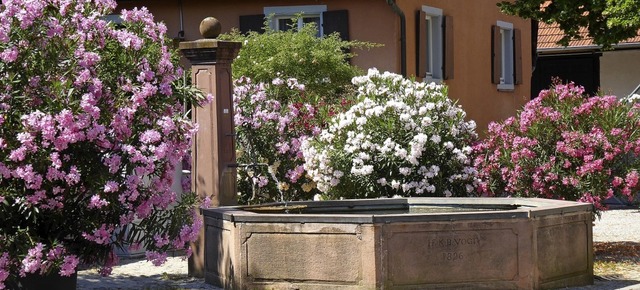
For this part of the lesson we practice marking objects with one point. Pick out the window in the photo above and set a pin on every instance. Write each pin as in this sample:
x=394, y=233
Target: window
x=327, y=21
x=434, y=45
x=282, y=16
x=506, y=60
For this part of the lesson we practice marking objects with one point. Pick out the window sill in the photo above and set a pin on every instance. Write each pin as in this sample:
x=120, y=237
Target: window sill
x=432, y=80
x=506, y=87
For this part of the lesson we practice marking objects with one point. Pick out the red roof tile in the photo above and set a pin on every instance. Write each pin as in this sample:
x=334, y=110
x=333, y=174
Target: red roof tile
x=550, y=34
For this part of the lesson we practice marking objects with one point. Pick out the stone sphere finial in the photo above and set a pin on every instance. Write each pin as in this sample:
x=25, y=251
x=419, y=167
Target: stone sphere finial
x=210, y=27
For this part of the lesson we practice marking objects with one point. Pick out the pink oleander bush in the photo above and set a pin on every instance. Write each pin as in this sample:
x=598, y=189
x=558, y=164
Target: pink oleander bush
x=92, y=124
x=272, y=120
x=564, y=145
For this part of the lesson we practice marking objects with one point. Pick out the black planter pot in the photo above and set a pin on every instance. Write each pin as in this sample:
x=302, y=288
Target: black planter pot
x=51, y=281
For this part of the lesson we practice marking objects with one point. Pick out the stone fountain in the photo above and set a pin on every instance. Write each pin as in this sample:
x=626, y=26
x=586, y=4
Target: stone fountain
x=401, y=243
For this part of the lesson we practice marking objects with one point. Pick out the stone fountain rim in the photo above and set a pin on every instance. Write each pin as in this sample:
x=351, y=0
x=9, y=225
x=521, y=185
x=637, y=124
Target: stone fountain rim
x=528, y=208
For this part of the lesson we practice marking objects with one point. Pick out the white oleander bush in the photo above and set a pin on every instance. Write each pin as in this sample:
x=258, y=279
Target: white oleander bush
x=401, y=138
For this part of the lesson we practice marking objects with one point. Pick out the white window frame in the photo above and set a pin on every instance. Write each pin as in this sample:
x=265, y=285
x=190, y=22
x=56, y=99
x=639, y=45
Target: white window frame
x=435, y=55
x=507, y=78
x=307, y=11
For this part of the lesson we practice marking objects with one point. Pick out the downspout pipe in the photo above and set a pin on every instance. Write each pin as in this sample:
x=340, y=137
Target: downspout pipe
x=181, y=32
x=403, y=36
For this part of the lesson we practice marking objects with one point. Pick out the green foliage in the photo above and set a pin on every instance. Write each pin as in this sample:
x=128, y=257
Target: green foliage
x=287, y=84
x=607, y=21
x=321, y=64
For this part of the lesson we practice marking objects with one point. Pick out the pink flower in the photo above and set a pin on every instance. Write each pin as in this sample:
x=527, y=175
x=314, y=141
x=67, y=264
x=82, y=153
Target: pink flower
x=156, y=258
x=150, y=136
x=97, y=202
x=111, y=260
x=206, y=101
x=69, y=265
x=111, y=186
x=4, y=268
x=9, y=54
x=100, y=235
x=73, y=177
x=632, y=179
x=161, y=241
x=617, y=181
x=33, y=261
x=18, y=154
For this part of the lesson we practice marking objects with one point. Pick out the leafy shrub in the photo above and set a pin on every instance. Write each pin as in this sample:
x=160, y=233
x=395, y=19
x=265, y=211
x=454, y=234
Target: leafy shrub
x=320, y=63
x=272, y=120
x=91, y=126
x=563, y=145
x=288, y=83
x=402, y=137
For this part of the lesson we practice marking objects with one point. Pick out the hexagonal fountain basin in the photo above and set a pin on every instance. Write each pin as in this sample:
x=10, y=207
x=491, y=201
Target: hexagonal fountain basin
x=406, y=243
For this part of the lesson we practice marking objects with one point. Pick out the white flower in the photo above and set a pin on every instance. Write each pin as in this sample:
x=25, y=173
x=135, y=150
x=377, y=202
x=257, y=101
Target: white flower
x=471, y=125
x=395, y=184
x=364, y=156
x=447, y=193
x=435, y=139
x=448, y=145
x=469, y=188
x=405, y=171
x=382, y=181
x=402, y=153
x=429, y=106
x=632, y=98
x=420, y=138
x=426, y=122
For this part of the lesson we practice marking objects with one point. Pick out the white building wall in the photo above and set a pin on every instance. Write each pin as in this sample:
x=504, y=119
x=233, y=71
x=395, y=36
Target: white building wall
x=619, y=71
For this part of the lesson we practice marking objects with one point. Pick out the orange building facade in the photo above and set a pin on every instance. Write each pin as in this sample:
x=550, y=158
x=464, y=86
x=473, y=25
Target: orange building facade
x=484, y=56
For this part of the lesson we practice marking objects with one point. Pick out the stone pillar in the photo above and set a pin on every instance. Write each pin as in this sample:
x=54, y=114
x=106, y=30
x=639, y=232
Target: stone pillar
x=213, y=170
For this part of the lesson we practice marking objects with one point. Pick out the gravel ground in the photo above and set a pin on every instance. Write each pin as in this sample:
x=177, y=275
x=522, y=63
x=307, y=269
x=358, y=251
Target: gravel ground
x=619, y=225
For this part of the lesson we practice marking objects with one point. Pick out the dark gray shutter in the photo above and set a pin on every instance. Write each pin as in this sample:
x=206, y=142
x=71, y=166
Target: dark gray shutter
x=252, y=23
x=336, y=21
x=517, y=56
x=496, y=54
x=447, y=47
x=421, y=44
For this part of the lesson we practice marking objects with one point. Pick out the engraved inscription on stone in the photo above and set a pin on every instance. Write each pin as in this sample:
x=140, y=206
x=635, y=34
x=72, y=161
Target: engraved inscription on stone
x=492, y=252
x=454, y=246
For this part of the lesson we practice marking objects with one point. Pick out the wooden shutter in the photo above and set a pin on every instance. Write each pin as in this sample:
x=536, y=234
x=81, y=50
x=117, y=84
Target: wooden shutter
x=447, y=47
x=517, y=57
x=252, y=23
x=496, y=54
x=336, y=21
x=421, y=44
